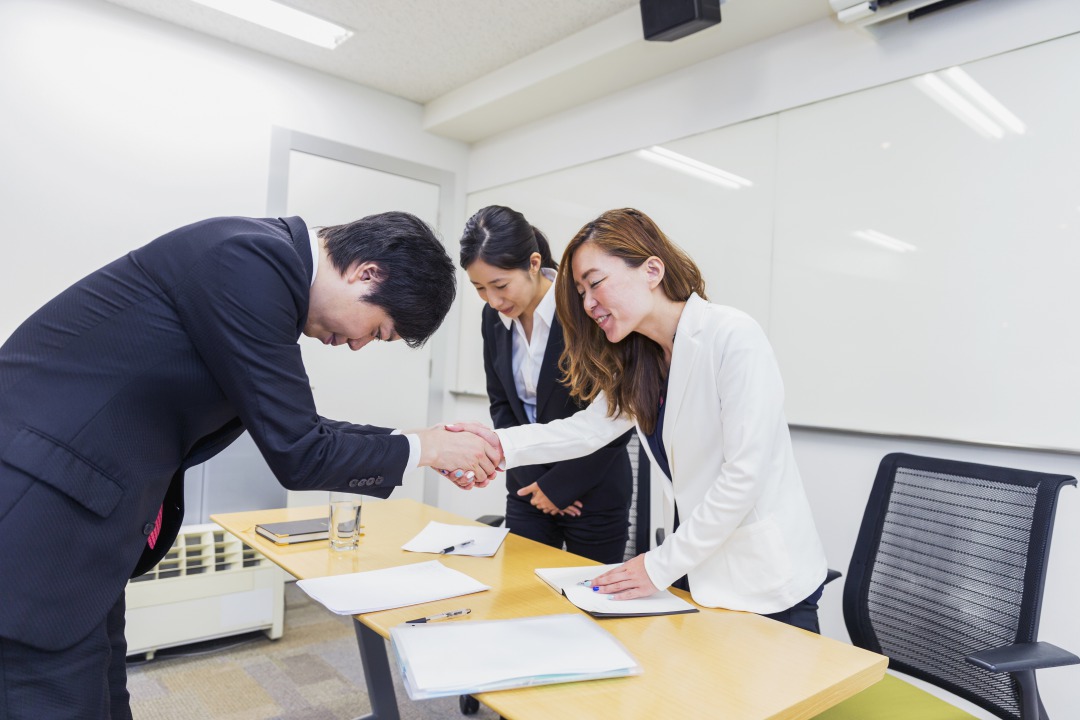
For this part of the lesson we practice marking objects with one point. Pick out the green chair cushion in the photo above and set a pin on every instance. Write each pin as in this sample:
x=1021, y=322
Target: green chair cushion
x=894, y=699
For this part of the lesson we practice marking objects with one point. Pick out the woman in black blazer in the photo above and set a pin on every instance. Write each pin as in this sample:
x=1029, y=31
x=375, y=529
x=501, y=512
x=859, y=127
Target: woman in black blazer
x=585, y=502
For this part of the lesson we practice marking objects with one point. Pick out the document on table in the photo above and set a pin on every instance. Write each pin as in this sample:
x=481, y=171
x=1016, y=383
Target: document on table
x=475, y=540
x=464, y=657
x=394, y=587
x=567, y=581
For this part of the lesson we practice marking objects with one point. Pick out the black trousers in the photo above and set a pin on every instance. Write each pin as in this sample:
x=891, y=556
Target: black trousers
x=597, y=535
x=804, y=614
x=87, y=681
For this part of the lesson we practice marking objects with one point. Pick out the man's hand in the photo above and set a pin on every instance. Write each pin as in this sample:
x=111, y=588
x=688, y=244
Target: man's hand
x=489, y=435
x=626, y=582
x=542, y=503
x=473, y=458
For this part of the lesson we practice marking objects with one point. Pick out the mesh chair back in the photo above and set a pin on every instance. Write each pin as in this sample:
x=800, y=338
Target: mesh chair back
x=950, y=560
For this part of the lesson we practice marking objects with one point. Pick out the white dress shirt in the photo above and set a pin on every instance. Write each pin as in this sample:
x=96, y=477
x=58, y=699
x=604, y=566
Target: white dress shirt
x=528, y=353
x=414, y=440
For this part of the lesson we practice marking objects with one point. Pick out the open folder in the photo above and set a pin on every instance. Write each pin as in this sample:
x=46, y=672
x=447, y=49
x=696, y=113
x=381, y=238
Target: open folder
x=464, y=657
x=567, y=581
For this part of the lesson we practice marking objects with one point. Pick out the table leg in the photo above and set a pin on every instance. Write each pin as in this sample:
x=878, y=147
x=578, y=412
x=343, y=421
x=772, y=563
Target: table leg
x=380, y=683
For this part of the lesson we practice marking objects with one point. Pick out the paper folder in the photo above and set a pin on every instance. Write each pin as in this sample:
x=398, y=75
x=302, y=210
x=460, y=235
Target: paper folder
x=465, y=657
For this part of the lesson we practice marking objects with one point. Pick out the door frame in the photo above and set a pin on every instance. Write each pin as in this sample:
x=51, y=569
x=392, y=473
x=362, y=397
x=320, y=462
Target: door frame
x=283, y=141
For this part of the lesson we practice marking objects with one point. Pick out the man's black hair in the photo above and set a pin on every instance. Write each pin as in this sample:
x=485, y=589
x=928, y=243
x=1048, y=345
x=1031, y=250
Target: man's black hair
x=417, y=283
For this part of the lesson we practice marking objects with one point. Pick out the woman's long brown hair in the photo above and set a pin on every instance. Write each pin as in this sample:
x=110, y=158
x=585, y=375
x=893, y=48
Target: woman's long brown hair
x=632, y=371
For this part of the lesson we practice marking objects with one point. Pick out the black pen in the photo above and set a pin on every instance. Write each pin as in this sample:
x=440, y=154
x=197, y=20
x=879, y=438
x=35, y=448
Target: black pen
x=440, y=616
x=452, y=548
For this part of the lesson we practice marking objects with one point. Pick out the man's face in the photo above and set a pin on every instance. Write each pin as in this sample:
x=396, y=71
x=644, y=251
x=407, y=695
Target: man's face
x=338, y=313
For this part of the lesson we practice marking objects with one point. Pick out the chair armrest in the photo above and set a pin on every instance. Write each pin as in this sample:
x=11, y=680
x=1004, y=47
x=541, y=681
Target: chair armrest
x=492, y=520
x=1022, y=656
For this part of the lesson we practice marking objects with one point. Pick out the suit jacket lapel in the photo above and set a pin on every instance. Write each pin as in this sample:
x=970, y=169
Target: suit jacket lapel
x=549, y=369
x=684, y=357
x=504, y=366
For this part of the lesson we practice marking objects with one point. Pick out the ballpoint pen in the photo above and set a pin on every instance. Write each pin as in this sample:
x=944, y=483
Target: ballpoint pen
x=452, y=548
x=440, y=616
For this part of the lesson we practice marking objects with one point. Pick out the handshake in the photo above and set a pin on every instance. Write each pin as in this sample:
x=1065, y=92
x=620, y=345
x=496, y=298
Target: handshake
x=467, y=453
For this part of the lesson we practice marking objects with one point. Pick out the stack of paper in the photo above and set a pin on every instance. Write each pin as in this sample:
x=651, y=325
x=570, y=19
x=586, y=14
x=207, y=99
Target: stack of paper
x=458, y=658
x=390, y=588
x=568, y=582
x=475, y=540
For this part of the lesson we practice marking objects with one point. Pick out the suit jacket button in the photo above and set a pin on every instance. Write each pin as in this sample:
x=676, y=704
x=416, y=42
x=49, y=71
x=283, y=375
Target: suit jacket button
x=370, y=481
x=148, y=528
x=352, y=483
x=378, y=480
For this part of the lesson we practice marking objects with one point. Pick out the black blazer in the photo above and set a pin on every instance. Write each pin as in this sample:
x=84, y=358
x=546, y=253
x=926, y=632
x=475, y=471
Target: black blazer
x=601, y=481
x=151, y=364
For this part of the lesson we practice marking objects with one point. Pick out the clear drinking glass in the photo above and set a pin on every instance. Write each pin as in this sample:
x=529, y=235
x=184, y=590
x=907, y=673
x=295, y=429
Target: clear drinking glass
x=344, y=521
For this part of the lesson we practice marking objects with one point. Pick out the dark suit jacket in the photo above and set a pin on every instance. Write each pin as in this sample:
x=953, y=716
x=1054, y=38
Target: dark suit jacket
x=601, y=481
x=151, y=364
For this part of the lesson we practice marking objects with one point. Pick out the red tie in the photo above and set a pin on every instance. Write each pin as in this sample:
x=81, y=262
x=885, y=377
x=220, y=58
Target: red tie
x=157, y=529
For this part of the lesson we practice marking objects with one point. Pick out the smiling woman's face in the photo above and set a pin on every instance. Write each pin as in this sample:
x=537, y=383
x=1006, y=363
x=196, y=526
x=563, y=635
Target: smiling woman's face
x=616, y=296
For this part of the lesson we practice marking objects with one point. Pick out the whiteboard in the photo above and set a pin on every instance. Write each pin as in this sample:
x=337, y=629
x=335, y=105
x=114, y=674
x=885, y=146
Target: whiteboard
x=971, y=335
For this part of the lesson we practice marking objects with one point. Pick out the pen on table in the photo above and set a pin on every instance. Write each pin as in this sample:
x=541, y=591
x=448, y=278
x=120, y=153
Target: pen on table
x=452, y=548
x=440, y=616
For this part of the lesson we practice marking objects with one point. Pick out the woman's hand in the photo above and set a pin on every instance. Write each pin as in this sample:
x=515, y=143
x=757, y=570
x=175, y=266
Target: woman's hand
x=626, y=582
x=541, y=502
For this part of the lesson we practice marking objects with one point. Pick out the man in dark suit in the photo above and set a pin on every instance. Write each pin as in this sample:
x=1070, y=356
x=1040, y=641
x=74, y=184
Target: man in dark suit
x=156, y=362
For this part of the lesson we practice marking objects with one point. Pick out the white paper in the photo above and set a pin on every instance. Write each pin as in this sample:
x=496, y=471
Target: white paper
x=566, y=580
x=564, y=577
x=389, y=588
x=438, y=536
x=456, y=658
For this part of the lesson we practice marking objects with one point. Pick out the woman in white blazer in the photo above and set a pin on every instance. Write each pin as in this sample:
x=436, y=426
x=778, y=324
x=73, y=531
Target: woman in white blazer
x=702, y=386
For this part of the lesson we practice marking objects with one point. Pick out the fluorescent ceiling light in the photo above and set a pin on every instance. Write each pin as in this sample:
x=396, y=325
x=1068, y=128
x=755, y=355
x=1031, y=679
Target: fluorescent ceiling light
x=284, y=19
x=690, y=166
x=883, y=240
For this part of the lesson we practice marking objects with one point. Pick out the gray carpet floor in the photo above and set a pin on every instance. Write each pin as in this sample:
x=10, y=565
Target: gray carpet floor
x=312, y=672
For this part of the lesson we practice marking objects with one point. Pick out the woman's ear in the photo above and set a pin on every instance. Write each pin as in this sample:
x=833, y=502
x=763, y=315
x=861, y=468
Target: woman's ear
x=654, y=271
x=534, y=263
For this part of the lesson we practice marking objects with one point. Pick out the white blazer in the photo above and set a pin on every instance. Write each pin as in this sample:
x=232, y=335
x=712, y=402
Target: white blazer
x=746, y=537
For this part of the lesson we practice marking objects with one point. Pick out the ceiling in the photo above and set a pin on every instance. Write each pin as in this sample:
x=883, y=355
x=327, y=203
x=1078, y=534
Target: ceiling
x=481, y=67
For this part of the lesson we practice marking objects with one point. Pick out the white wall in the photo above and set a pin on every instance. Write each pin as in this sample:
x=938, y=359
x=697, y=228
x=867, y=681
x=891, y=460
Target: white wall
x=812, y=63
x=117, y=127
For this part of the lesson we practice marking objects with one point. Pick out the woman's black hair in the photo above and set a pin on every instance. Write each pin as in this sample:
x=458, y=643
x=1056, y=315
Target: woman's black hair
x=503, y=238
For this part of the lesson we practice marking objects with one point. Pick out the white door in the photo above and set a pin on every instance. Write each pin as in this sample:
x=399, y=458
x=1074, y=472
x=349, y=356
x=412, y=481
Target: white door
x=384, y=383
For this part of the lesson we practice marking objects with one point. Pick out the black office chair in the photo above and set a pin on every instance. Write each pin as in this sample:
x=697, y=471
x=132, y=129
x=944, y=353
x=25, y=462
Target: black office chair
x=946, y=580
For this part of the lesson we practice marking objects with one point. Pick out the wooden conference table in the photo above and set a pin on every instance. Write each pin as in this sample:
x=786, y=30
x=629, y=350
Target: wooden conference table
x=714, y=663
